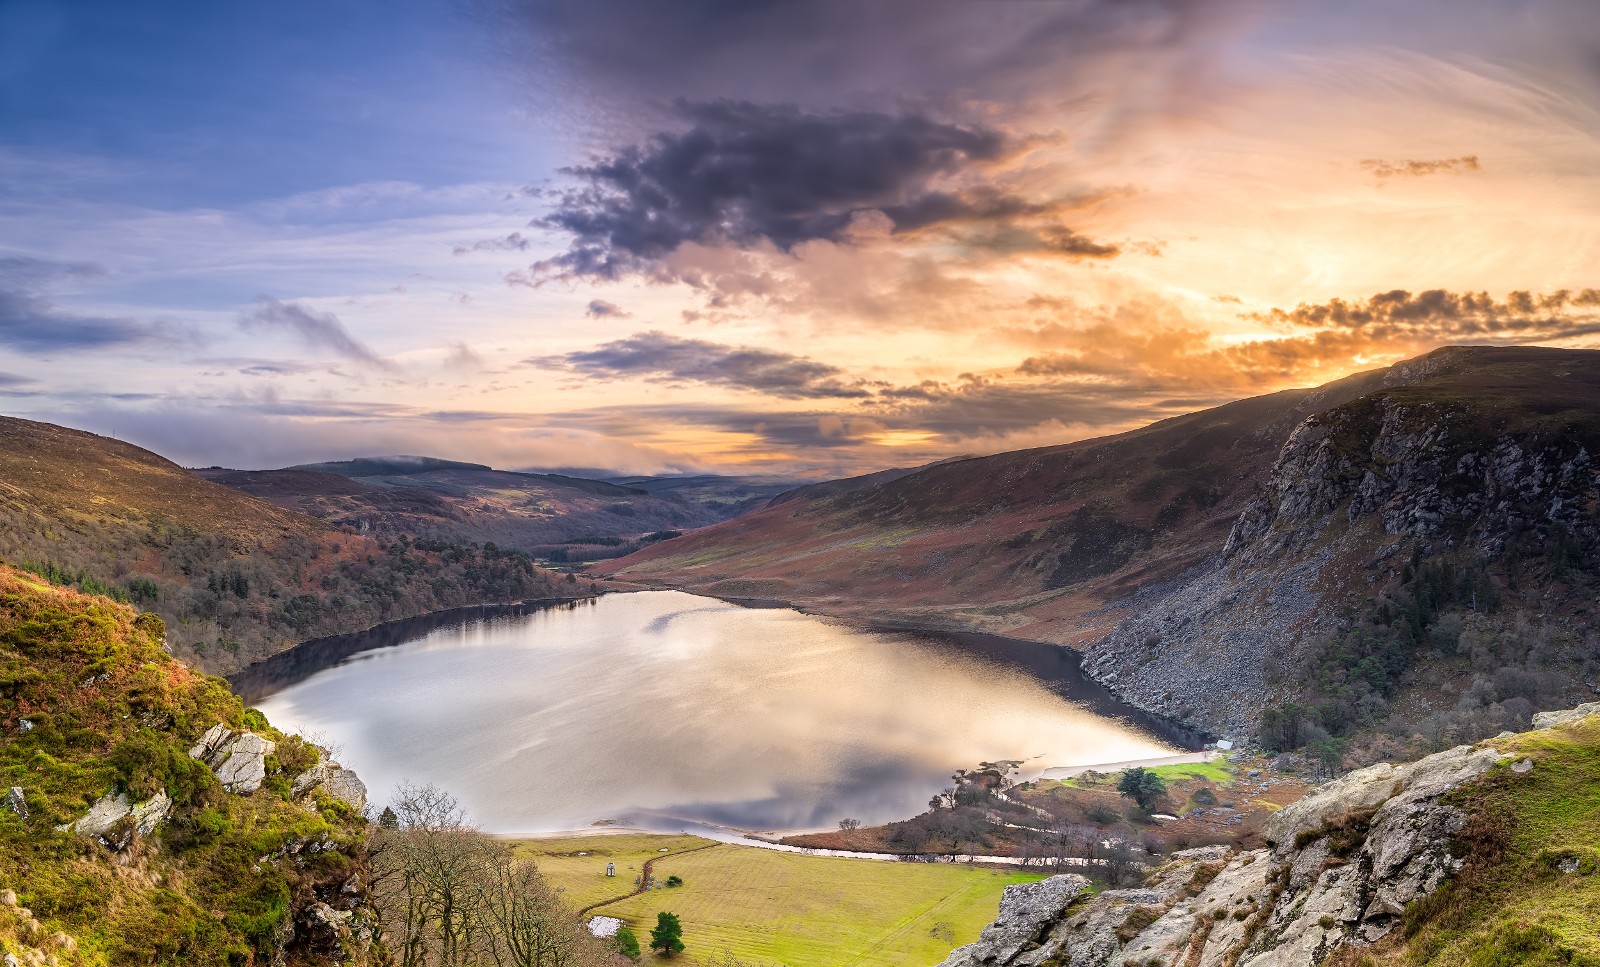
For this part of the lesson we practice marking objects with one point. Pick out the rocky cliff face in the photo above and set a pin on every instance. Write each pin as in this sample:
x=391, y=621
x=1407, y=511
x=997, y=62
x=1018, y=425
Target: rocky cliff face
x=1341, y=870
x=1428, y=464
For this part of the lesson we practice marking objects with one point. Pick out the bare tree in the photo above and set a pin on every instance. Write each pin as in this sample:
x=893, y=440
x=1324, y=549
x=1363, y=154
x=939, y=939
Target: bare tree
x=449, y=896
x=527, y=925
x=427, y=879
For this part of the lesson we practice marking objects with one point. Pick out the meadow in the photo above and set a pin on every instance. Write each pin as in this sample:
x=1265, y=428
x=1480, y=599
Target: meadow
x=768, y=907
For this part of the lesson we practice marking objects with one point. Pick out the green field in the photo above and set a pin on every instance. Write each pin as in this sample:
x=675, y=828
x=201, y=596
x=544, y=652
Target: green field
x=582, y=879
x=768, y=907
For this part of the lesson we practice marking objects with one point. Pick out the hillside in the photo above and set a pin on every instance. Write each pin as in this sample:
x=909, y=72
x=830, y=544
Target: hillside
x=1480, y=855
x=118, y=846
x=548, y=515
x=1206, y=561
x=234, y=577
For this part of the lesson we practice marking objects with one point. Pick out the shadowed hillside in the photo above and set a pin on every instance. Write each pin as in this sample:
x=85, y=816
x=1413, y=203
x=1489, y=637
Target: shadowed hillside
x=235, y=578
x=544, y=514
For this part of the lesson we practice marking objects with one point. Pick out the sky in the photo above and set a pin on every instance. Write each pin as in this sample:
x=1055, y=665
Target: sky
x=778, y=237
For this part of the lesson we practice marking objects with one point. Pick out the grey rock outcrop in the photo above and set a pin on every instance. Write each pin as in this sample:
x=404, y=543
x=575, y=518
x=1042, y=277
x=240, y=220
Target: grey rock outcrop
x=114, y=818
x=334, y=780
x=1550, y=720
x=1343, y=863
x=237, y=757
x=1027, y=910
x=17, y=801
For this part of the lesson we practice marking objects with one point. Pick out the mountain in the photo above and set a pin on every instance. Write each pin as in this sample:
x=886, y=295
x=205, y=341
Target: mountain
x=234, y=577
x=150, y=818
x=1480, y=854
x=1365, y=559
x=466, y=503
x=727, y=496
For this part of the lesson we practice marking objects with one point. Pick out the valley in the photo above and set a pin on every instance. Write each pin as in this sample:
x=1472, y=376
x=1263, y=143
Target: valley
x=925, y=664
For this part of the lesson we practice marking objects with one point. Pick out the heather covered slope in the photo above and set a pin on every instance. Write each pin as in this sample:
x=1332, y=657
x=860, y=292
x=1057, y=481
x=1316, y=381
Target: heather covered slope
x=92, y=706
x=1393, y=551
x=235, y=578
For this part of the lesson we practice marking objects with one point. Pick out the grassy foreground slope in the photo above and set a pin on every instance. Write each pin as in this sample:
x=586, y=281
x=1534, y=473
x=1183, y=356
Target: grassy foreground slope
x=90, y=703
x=1529, y=893
x=235, y=578
x=766, y=907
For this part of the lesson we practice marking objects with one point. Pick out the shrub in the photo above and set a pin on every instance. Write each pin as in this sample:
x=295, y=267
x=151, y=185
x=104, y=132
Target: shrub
x=627, y=943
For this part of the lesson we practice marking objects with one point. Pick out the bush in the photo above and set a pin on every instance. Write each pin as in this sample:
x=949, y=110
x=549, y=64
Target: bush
x=627, y=943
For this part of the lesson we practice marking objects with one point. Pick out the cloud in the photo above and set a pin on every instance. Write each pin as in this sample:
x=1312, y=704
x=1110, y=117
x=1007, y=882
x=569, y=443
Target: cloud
x=1418, y=169
x=31, y=322
x=660, y=356
x=1142, y=345
x=12, y=379
x=237, y=432
x=317, y=330
x=1519, y=314
x=515, y=242
x=1130, y=55
x=602, y=309
x=744, y=174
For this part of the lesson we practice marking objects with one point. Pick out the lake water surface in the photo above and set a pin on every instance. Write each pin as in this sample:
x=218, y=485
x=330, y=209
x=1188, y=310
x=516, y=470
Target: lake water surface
x=662, y=709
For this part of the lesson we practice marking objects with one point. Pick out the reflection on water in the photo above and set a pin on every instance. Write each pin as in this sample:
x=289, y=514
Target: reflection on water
x=659, y=706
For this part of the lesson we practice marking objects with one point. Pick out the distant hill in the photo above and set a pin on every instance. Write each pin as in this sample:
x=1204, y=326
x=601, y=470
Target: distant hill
x=1318, y=563
x=236, y=578
x=447, y=500
x=726, y=496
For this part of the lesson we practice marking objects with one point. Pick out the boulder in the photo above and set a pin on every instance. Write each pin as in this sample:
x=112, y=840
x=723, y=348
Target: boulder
x=334, y=780
x=113, y=816
x=17, y=802
x=1360, y=791
x=1027, y=910
x=1549, y=720
x=238, y=758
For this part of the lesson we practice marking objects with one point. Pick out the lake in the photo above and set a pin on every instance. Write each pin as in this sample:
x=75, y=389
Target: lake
x=665, y=710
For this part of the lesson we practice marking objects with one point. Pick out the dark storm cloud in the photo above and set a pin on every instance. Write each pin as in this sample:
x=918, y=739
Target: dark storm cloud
x=827, y=52
x=743, y=173
x=317, y=330
x=602, y=309
x=1418, y=169
x=31, y=322
x=659, y=356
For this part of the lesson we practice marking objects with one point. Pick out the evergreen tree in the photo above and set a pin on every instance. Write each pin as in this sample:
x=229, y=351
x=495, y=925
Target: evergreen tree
x=1142, y=786
x=667, y=937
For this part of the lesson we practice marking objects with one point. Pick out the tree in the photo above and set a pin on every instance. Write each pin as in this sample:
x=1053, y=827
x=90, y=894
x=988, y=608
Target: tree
x=627, y=943
x=1142, y=786
x=846, y=825
x=667, y=936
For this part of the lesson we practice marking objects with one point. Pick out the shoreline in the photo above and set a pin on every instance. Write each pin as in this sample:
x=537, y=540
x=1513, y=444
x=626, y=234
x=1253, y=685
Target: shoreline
x=256, y=680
